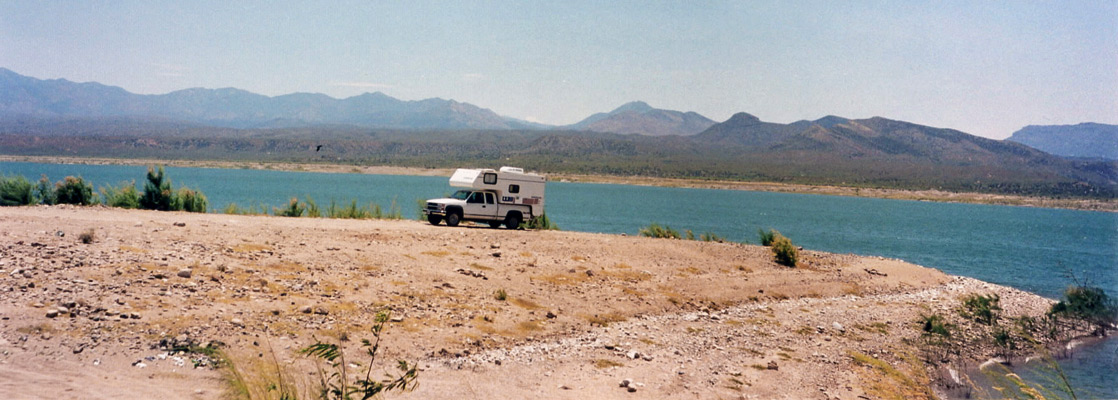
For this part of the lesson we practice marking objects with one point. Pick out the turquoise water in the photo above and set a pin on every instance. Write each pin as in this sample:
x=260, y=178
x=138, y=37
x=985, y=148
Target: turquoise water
x=1034, y=249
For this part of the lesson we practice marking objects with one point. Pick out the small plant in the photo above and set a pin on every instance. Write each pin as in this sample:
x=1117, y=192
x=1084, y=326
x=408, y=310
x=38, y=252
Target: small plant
x=44, y=192
x=1089, y=305
x=190, y=201
x=767, y=236
x=73, y=190
x=501, y=295
x=87, y=237
x=336, y=384
x=785, y=252
x=124, y=196
x=157, y=191
x=935, y=325
x=312, y=208
x=654, y=230
x=711, y=237
x=294, y=209
x=542, y=222
x=15, y=191
x=983, y=309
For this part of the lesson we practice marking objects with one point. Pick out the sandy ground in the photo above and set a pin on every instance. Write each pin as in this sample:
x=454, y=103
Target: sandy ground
x=680, y=319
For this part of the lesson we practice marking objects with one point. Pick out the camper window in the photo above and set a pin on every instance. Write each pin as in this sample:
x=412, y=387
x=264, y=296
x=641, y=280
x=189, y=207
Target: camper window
x=514, y=188
x=490, y=178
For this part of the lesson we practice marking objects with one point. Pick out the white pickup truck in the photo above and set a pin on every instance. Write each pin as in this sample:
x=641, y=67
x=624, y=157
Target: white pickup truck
x=507, y=196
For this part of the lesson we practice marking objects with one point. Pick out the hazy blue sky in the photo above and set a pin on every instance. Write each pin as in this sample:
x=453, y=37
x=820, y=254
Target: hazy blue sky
x=983, y=67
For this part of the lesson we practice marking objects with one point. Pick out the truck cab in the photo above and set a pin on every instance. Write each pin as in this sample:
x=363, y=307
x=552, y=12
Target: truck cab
x=508, y=196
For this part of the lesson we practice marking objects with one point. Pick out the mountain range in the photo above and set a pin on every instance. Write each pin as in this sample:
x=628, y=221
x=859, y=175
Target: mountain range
x=58, y=117
x=235, y=108
x=1086, y=140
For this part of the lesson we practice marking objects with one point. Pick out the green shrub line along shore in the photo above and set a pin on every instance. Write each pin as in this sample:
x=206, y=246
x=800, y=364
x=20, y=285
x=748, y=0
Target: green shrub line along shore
x=158, y=195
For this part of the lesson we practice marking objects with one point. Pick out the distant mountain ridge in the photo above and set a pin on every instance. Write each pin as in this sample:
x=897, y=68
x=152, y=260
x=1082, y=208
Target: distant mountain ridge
x=640, y=118
x=236, y=108
x=1085, y=140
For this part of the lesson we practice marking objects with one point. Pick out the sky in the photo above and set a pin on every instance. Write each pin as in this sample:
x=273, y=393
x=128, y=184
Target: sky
x=987, y=68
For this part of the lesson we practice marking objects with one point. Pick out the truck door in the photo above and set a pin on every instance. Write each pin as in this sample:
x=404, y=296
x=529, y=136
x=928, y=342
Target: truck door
x=480, y=205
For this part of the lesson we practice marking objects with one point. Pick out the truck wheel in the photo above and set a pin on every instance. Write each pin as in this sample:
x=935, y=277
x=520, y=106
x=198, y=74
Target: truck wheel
x=434, y=219
x=512, y=221
x=452, y=219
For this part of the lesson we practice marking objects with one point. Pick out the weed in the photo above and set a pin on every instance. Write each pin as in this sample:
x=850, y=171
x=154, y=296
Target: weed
x=983, y=309
x=87, y=237
x=766, y=236
x=654, y=230
x=605, y=319
x=501, y=295
x=542, y=222
x=294, y=209
x=603, y=363
x=785, y=252
x=335, y=382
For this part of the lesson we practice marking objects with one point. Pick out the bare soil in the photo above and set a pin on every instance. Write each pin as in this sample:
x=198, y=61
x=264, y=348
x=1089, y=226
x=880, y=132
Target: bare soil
x=680, y=319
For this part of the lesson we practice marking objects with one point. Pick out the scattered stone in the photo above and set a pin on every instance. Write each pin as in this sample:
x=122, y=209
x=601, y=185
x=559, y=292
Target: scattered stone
x=185, y=273
x=134, y=315
x=551, y=315
x=180, y=224
x=305, y=309
x=625, y=382
x=838, y=327
x=396, y=319
x=633, y=354
x=772, y=366
x=495, y=245
x=496, y=254
x=237, y=322
x=51, y=313
x=321, y=311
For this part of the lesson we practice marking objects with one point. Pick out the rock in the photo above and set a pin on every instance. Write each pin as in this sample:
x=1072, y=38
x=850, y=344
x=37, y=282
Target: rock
x=305, y=309
x=494, y=245
x=646, y=357
x=180, y=224
x=321, y=311
x=185, y=273
x=237, y=322
x=496, y=254
x=838, y=327
x=62, y=310
x=551, y=315
x=134, y=315
x=631, y=389
x=51, y=313
x=633, y=354
x=396, y=319
x=625, y=382
x=772, y=365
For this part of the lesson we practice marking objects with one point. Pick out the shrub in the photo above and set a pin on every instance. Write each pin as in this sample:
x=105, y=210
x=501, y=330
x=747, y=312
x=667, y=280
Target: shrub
x=935, y=325
x=711, y=237
x=15, y=191
x=501, y=295
x=157, y=191
x=1088, y=304
x=87, y=237
x=312, y=208
x=294, y=209
x=73, y=190
x=542, y=222
x=983, y=309
x=785, y=252
x=656, y=231
x=44, y=191
x=420, y=209
x=767, y=236
x=125, y=196
x=335, y=381
x=190, y=201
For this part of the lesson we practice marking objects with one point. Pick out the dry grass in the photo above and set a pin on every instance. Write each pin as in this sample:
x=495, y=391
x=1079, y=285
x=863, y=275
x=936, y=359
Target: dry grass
x=603, y=363
x=563, y=278
x=883, y=381
x=250, y=247
x=604, y=319
x=524, y=303
x=436, y=253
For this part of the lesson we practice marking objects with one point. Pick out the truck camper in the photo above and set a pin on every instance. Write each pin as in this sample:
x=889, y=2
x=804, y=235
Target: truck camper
x=506, y=196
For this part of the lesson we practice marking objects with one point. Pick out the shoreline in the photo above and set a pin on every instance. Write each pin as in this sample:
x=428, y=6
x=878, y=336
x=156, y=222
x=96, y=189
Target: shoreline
x=892, y=194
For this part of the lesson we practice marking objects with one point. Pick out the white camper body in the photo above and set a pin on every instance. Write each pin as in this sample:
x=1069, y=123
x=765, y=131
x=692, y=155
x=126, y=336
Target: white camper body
x=507, y=196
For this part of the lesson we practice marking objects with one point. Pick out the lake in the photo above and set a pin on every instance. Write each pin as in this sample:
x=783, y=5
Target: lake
x=1033, y=249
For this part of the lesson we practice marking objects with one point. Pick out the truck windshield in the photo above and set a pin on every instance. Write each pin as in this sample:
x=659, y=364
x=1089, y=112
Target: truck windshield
x=460, y=195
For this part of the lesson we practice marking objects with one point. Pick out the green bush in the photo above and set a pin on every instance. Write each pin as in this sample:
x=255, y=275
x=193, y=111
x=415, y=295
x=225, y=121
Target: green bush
x=234, y=209
x=767, y=236
x=785, y=252
x=157, y=191
x=15, y=191
x=935, y=325
x=711, y=237
x=654, y=230
x=73, y=190
x=44, y=192
x=190, y=201
x=335, y=381
x=983, y=309
x=294, y=209
x=312, y=208
x=125, y=196
x=1088, y=304
x=542, y=222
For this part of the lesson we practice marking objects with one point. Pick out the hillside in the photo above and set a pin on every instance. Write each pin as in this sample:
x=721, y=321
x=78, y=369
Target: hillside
x=1086, y=140
x=22, y=96
x=640, y=118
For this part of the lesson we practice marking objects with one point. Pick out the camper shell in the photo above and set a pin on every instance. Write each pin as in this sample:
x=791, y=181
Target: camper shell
x=507, y=196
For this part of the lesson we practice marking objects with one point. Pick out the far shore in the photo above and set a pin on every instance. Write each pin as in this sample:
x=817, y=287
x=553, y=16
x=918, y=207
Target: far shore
x=882, y=193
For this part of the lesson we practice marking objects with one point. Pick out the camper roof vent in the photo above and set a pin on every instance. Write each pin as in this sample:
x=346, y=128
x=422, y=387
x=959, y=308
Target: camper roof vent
x=512, y=169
